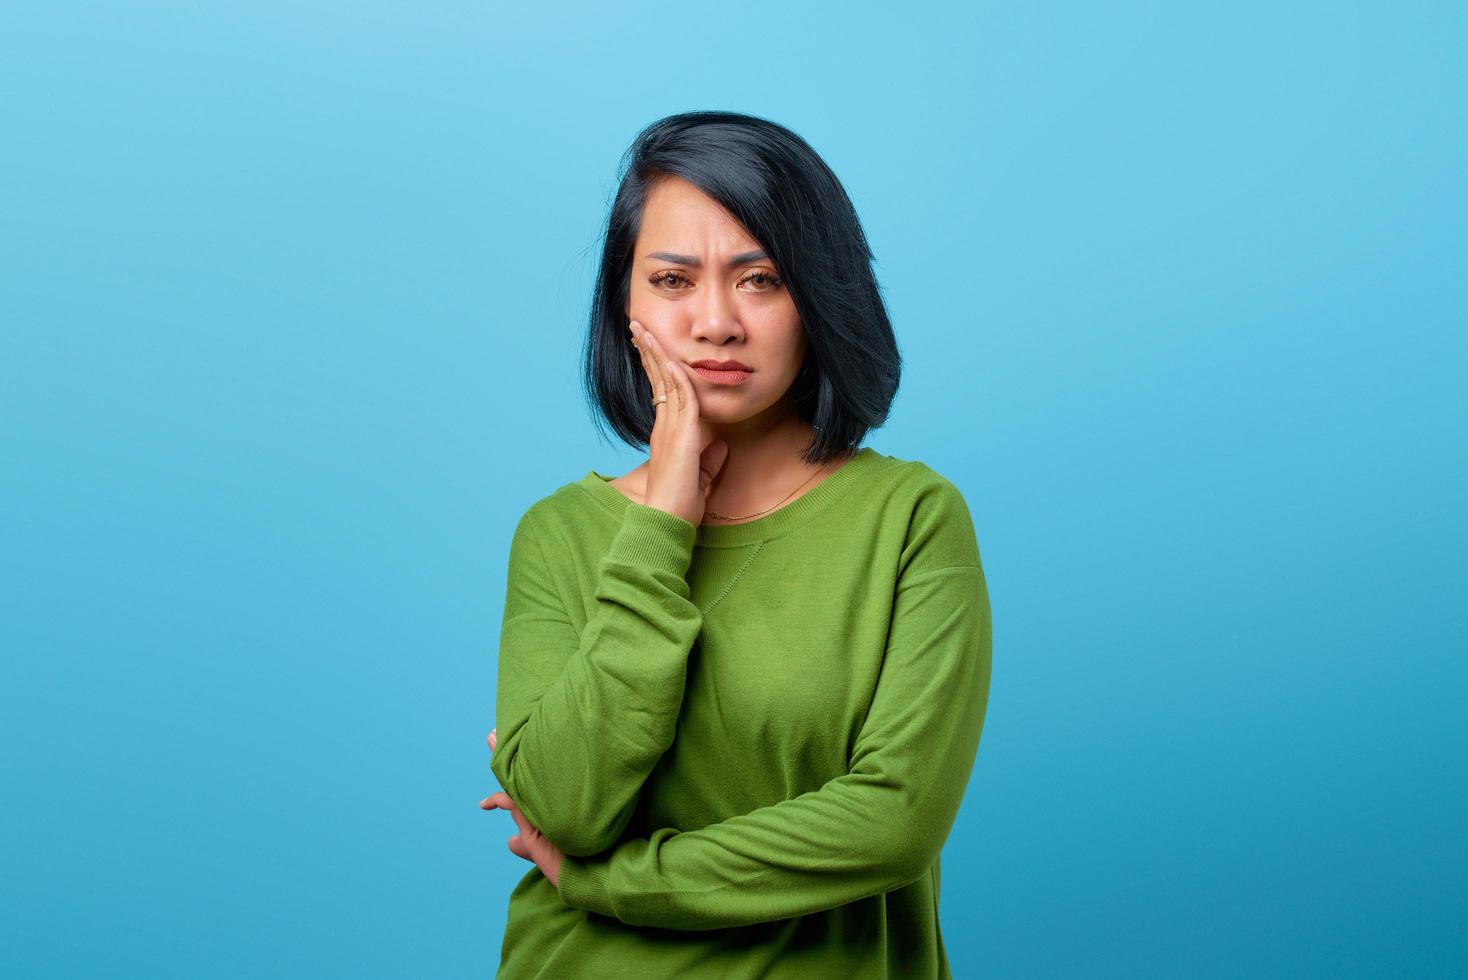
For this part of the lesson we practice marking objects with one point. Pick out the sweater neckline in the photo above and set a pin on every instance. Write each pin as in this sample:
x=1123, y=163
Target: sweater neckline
x=778, y=521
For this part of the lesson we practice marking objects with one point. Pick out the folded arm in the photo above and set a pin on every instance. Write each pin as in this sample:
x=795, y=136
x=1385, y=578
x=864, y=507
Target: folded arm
x=871, y=830
x=583, y=717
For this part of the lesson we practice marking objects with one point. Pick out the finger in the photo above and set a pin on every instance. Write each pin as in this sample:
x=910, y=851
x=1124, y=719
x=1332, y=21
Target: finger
x=524, y=825
x=518, y=848
x=710, y=462
x=665, y=374
x=669, y=375
x=687, y=395
x=660, y=387
x=492, y=738
x=646, y=355
x=633, y=327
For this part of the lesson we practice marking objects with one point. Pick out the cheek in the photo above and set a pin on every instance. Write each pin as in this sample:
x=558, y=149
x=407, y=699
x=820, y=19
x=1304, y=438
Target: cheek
x=785, y=363
x=652, y=322
x=795, y=346
x=780, y=327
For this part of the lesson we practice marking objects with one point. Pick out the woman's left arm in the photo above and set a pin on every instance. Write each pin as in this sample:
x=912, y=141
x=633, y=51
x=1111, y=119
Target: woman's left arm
x=871, y=830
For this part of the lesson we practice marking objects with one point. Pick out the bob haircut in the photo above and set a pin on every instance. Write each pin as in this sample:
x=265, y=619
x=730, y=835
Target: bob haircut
x=789, y=201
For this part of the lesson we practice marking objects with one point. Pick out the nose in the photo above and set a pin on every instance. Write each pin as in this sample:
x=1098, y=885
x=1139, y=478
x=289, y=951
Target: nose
x=716, y=318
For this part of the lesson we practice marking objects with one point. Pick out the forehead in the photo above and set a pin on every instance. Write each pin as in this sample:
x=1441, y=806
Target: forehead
x=678, y=217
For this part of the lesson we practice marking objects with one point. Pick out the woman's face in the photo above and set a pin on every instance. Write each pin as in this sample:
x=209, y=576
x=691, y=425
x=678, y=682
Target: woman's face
x=705, y=289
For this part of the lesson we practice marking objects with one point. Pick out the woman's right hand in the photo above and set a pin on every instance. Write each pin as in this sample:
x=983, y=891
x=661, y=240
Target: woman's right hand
x=680, y=467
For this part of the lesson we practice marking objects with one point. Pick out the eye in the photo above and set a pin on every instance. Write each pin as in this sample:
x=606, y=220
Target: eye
x=662, y=277
x=767, y=283
x=771, y=282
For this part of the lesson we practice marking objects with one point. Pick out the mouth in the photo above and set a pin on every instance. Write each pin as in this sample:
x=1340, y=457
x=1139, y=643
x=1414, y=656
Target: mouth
x=722, y=372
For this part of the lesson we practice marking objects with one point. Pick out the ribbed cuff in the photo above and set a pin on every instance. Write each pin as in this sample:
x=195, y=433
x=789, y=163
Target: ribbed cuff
x=583, y=885
x=652, y=538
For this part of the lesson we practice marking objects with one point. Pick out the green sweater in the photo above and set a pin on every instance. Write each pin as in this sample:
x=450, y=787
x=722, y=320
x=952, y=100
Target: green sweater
x=750, y=740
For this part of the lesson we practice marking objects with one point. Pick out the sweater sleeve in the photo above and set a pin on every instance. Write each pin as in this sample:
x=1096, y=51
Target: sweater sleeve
x=879, y=826
x=584, y=716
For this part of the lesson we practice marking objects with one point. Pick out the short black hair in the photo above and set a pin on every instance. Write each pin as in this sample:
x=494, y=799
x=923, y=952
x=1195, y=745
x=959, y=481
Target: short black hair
x=790, y=201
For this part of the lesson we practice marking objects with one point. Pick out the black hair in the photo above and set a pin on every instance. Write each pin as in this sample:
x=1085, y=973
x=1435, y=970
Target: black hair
x=790, y=201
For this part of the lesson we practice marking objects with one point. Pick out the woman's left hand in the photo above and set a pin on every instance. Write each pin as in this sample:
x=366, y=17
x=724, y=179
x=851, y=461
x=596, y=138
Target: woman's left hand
x=529, y=843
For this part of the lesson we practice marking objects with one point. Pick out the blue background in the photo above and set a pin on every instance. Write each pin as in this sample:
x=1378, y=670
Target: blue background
x=292, y=297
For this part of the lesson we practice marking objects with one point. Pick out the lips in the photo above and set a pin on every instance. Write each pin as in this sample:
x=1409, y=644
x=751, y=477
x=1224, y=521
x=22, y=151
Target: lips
x=721, y=365
x=722, y=375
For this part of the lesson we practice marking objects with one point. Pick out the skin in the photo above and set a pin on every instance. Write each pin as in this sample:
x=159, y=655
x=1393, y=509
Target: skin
x=528, y=842
x=734, y=449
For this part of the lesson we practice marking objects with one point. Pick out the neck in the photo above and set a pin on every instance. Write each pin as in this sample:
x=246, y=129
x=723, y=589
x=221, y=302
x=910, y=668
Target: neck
x=763, y=465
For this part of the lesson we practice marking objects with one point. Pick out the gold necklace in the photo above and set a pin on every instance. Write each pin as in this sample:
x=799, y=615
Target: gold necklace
x=725, y=517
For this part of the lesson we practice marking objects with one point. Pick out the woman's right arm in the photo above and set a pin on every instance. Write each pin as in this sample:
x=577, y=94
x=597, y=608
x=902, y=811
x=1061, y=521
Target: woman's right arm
x=582, y=718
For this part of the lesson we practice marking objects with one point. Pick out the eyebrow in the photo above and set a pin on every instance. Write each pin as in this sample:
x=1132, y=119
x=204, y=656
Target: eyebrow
x=744, y=258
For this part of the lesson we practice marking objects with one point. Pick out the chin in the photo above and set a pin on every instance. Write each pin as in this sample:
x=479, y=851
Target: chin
x=710, y=414
x=725, y=414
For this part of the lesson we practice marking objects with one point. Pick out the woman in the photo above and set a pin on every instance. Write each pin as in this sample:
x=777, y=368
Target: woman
x=742, y=686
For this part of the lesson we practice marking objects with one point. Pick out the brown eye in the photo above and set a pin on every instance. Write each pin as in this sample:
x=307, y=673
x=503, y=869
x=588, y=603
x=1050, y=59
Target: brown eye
x=666, y=277
x=770, y=283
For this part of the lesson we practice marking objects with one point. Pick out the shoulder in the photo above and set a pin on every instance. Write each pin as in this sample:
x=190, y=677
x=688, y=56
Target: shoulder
x=568, y=505
x=940, y=526
x=923, y=486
